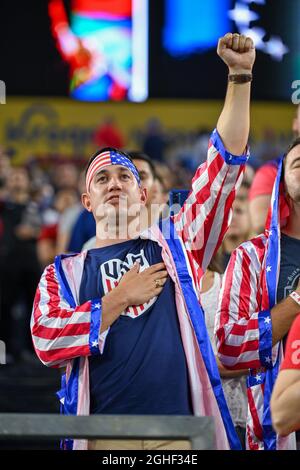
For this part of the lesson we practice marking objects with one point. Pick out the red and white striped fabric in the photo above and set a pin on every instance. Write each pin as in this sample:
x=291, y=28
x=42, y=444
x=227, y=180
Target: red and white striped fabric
x=61, y=332
x=243, y=297
x=102, y=160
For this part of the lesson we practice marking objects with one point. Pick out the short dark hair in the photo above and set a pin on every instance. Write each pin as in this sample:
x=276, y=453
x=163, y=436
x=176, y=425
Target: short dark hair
x=292, y=145
x=137, y=155
x=106, y=149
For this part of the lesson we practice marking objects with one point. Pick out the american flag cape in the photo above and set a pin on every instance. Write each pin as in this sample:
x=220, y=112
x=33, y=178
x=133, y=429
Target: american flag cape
x=65, y=333
x=244, y=325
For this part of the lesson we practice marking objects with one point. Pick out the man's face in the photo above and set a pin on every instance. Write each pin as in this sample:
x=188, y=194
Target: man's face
x=292, y=174
x=114, y=189
x=66, y=176
x=18, y=180
x=240, y=224
x=146, y=176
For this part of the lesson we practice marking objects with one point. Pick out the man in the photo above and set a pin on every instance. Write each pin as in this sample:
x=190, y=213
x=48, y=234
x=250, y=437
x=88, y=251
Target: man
x=259, y=301
x=125, y=317
x=146, y=171
x=285, y=402
x=262, y=185
x=148, y=179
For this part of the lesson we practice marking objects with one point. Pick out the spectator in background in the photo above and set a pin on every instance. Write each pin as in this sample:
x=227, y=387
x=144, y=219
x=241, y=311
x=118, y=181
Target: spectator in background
x=285, y=401
x=47, y=242
x=261, y=189
x=5, y=165
x=19, y=267
x=153, y=140
x=5, y=168
x=258, y=304
x=160, y=192
x=65, y=176
x=83, y=230
x=240, y=228
x=155, y=177
x=108, y=134
x=167, y=176
x=68, y=219
x=260, y=195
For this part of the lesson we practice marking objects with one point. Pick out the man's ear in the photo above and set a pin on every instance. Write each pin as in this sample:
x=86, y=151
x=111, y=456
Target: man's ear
x=144, y=196
x=86, y=201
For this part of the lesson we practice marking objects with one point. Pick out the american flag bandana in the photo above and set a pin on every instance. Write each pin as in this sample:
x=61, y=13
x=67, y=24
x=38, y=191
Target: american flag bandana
x=106, y=158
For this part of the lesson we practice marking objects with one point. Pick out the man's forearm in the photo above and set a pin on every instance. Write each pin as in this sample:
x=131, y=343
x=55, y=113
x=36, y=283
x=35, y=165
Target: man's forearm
x=238, y=53
x=234, y=122
x=229, y=374
x=283, y=315
x=113, y=304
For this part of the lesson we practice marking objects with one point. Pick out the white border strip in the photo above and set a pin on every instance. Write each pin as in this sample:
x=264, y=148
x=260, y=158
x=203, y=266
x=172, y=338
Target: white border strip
x=138, y=91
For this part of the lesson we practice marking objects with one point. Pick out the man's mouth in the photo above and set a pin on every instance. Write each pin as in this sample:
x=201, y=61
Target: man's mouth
x=115, y=198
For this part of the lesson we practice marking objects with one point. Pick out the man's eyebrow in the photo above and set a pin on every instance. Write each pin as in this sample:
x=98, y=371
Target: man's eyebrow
x=101, y=171
x=123, y=168
x=105, y=171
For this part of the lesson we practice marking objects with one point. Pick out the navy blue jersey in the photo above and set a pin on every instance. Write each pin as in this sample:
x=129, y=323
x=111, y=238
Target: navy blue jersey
x=143, y=367
x=289, y=275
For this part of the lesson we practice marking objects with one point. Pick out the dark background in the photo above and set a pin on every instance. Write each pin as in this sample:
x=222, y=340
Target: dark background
x=31, y=65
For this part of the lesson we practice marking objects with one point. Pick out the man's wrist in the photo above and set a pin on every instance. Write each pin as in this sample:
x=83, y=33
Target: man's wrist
x=295, y=295
x=122, y=295
x=117, y=298
x=240, y=78
x=238, y=71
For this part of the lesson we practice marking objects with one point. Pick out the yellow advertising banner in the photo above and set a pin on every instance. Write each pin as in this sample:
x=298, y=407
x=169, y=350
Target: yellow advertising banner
x=60, y=126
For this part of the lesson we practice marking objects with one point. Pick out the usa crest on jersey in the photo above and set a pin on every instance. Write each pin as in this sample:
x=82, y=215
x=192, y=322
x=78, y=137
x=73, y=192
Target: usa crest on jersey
x=112, y=272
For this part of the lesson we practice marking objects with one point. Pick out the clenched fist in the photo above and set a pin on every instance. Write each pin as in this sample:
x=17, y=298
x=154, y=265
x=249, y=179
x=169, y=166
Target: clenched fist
x=238, y=53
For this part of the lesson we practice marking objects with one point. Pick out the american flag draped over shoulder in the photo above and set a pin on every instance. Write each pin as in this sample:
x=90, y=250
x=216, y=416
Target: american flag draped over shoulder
x=244, y=324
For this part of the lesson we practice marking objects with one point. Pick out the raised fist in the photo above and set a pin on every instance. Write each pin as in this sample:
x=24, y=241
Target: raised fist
x=238, y=52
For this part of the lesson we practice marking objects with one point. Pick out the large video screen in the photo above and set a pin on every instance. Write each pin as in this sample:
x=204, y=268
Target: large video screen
x=105, y=44
x=111, y=50
x=184, y=36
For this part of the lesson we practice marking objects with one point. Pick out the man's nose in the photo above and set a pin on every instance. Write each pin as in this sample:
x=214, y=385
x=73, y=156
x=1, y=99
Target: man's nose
x=114, y=183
